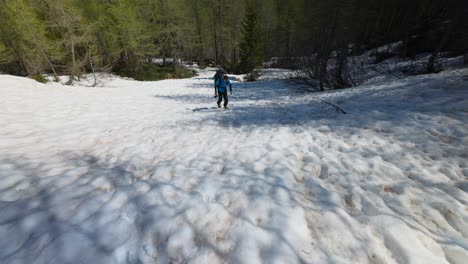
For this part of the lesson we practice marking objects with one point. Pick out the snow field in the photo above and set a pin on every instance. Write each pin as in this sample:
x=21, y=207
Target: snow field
x=129, y=173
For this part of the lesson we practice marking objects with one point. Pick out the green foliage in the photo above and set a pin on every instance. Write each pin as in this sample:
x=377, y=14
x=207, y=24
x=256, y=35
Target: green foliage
x=153, y=72
x=39, y=78
x=164, y=27
x=5, y=54
x=182, y=73
x=252, y=76
x=127, y=40
x=251, y=46
x=23, y=34
x=74, y=36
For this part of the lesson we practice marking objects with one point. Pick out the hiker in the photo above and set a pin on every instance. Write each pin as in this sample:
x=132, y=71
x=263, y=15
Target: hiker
x=221, y=90
x=219, y=75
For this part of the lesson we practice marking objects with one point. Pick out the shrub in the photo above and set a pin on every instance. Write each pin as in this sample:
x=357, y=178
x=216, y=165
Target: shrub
x=252, y=76
x=153, y=72
x=39, y=78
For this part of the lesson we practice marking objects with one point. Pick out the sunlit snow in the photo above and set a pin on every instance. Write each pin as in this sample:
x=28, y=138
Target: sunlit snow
x=153, y=172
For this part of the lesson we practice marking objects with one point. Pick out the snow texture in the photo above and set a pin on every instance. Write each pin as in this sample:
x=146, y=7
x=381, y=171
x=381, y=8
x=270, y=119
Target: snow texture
x=127, y=172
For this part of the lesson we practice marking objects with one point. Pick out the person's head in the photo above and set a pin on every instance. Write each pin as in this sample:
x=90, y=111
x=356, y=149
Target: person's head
x=225, y=77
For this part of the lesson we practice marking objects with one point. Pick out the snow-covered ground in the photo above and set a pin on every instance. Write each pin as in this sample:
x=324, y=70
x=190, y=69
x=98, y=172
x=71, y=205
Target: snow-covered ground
x=149, y=172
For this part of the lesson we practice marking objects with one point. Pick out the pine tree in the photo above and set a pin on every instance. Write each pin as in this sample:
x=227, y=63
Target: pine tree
x=167, y=31
x=5, y=54
x=24, y=38
x=74, y=36
x=251, y=47
x=69, y=31
x=128, y=33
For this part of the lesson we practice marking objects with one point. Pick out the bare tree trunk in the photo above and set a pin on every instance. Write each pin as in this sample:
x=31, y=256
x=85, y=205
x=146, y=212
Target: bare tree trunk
x=175, y=64
x=92, y=69
x=221, y=35
x=73, y=69
x=430, y=68
x=341, y=60
x=199, y=31
x=233, y=50
x=56, y=78
x=215, y=39
x=323, y=73
x=287, y=41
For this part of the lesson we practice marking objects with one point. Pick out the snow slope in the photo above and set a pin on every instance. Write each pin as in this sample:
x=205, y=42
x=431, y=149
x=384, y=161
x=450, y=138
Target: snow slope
x=148, y=172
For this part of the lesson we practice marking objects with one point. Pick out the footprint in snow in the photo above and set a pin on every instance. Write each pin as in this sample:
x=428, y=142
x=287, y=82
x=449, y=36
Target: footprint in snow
x=324, y=172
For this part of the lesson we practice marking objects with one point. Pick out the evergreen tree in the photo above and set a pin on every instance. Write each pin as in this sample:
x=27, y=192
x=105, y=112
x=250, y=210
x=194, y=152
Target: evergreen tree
x=5, y=55
x=67, y=28
x=24, y=39
x=251, y=47
x=166, y=29
x=74, y=36
x=128, y=38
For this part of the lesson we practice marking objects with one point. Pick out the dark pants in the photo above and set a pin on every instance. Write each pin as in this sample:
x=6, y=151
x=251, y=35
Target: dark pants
x=221, y=96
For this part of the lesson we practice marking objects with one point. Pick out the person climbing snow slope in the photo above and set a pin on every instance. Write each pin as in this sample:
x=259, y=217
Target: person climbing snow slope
x=221, y=90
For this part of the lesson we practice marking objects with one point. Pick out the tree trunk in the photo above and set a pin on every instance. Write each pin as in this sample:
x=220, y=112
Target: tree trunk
x=92, y=69
x=287, y=41
x=56, y=78
x=221, y=36
x=341, y=60
x=323, y=73
x=73, y=69
x=215, y=39
x=199, y=31
x=430, y=68
x=233, y=51
x=175, y=64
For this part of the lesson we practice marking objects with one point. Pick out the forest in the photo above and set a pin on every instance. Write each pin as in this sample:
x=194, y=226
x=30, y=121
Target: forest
x=73, y=37
x=241, y=131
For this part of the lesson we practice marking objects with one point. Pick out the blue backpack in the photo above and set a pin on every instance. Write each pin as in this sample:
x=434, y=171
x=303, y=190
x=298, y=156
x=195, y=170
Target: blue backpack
x=222, y=85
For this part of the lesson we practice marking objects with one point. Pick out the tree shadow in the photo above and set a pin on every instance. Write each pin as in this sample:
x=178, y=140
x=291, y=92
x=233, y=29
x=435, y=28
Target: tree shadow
x=92, y=210
x=89, y=209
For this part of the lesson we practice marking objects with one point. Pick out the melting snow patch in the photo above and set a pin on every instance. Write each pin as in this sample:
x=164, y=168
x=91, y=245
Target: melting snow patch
x=128, y=173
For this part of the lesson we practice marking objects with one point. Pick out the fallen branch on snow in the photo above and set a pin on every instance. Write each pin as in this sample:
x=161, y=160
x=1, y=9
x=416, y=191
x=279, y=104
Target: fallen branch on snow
x=331, y=104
